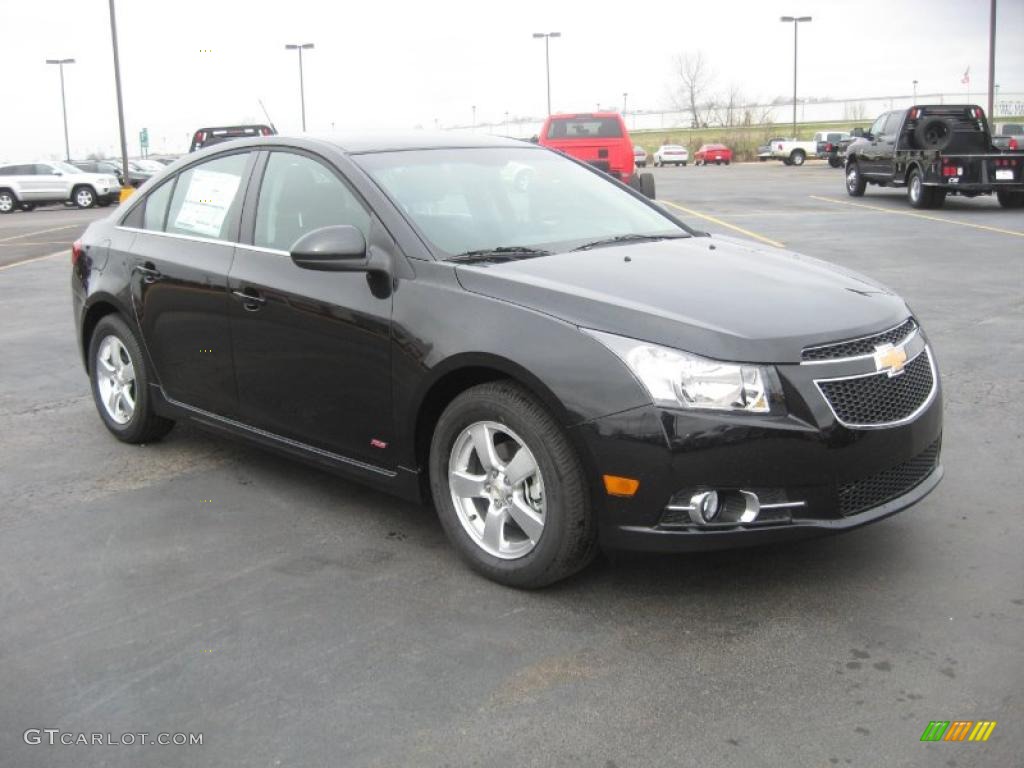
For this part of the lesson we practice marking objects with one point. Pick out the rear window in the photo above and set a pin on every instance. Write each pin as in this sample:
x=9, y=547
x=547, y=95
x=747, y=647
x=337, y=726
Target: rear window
x=585, y=128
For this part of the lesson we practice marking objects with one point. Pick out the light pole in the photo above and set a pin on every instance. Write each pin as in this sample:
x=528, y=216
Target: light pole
x=63, y=104
x=300, y=47
x=120, y=100
x=991, y=59
x=474, y=118
x=915, y=92
x=625, y=99
x=547, y=59
x=796, y=20
x=506, y=123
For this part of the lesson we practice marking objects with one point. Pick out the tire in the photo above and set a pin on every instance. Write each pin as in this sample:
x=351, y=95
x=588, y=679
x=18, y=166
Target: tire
x=718, y=162
x=798, y=157
x=104, y=202
x=835, y=162
x=647, y=185
x=918, y=194
x=684, y=164
x=938, y=197
x=27, y=207
x=1009, y=199
x=8, y=202
x=83, y=196
x=505, y=416
x=787, y=161
x=933, y=133
x=763, y=159
x=127, y=411
x=855, y=181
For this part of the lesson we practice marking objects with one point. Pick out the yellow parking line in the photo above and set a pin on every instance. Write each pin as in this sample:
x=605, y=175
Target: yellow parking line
x=37, y=232
x=721, y=223
x=925, y=216
x=29, y=261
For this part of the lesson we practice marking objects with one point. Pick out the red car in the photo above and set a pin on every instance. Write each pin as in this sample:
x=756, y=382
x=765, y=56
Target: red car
x=712, y=153
x=598, y=138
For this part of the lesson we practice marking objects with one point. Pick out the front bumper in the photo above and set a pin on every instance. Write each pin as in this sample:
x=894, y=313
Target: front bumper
x=815, y=474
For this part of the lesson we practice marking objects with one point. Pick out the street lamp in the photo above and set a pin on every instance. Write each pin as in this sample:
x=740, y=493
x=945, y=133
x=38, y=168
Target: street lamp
x=796, y=23
x=506, y=123
x=300, y=47
x=915, y=91
x=63, y=104
x=474, y=118
x=625, y=98
x=547, y=59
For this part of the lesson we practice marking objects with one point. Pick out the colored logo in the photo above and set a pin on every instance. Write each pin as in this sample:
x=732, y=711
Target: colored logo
x=958, y=730
x=890, y=359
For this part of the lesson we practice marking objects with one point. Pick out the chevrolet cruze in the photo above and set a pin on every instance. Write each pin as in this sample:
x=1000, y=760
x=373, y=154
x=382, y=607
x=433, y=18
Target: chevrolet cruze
x=555, y=365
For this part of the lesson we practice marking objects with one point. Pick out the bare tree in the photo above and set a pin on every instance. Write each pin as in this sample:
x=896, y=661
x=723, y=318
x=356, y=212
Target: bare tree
x=693, y=79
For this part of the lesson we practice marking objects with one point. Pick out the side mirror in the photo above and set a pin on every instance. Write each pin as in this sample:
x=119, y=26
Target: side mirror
x=340, y=248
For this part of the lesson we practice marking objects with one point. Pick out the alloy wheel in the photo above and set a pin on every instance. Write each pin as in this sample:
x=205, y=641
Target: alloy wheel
x=84, y=198
x=497, y=490
x=6, y=202
x=851, y=178
x=115, y=378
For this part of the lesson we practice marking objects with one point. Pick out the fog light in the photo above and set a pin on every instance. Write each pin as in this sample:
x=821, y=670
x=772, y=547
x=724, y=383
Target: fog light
x=704, y=507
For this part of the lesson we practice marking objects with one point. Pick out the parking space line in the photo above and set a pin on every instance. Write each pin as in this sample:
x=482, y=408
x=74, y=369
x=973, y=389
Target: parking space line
x=38, y=232
x=721, y=223
x=29, y=261
x=925, y=216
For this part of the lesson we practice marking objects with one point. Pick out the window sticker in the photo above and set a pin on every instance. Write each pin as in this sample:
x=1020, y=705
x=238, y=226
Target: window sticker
x=210, y=194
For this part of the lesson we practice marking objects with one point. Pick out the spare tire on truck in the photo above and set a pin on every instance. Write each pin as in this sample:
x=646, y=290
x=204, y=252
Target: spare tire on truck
x=934, y=133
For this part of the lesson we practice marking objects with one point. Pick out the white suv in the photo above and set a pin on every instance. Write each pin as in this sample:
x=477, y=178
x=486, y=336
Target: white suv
x=25, y=185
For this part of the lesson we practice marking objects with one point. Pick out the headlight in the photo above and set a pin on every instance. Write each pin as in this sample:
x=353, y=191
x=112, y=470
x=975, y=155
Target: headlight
x=677, y=379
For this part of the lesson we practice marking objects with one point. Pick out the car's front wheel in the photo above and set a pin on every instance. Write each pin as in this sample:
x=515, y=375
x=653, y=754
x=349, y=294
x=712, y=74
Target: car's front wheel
x=84, y=197
x=120, y=384
x=8, y=202
x=855, y=181
x=509, y=487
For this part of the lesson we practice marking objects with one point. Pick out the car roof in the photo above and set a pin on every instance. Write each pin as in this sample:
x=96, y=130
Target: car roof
x=365, y=143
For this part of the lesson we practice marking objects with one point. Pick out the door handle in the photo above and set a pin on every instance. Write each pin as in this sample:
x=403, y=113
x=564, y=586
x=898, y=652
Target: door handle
x=250, y=301
x=150, y=274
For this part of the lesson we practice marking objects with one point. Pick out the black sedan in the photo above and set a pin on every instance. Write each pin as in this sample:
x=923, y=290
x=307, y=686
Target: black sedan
x=555, y=366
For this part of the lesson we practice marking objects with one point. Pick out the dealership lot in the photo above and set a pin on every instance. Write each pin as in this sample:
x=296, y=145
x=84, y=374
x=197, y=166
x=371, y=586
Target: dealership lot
x=297, y=619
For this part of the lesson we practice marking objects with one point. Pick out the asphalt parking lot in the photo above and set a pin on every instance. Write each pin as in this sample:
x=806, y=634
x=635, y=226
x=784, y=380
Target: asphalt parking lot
x=295, y=619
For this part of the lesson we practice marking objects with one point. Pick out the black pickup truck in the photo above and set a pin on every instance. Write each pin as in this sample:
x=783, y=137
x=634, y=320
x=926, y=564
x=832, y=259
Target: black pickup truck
x=934, y=151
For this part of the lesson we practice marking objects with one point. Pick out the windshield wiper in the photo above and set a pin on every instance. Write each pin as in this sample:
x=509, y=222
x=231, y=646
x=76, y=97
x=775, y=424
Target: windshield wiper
x=502, y=252
x=626, y=239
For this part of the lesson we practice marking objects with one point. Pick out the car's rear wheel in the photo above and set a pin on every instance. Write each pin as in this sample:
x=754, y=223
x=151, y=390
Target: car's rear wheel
x=917, y=193
x=120, y=384
x=855, y=181
x=1009, y=199
x=84, y=197
x=8, y=202
x=509, y=487
x=28, y=207
x=798, y=157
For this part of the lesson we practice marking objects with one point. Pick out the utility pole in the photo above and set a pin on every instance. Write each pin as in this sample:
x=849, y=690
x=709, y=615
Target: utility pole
x=120, y=100
x=797, y=20
x=300, y=47
x=625, y=99
x=63, y=104
x=991, y=60
x=474, y=118
x=547, y=59
x=915, y=91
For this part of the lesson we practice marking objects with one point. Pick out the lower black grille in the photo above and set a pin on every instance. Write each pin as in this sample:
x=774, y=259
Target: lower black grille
x=887, y=485
x=879, y=399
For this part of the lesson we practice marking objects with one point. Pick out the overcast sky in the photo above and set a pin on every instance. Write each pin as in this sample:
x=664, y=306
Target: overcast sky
x=388, y=65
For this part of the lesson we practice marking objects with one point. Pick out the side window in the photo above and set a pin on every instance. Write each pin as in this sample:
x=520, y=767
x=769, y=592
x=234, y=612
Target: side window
x=7, y=170
x=156, y=207
x=299, y=195
x=879, y=126
x=42, y=169
x=206, y=196
x=892, y=125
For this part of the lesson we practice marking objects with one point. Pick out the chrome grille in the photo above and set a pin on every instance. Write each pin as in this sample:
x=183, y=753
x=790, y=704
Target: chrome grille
x=859, y=347
x=888, y=484
x=877, y=399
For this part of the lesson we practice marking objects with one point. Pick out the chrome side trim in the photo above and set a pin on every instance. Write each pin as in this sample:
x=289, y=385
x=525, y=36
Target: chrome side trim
x=885, y=425
x=197, y=239
x=905, y=340
x=305, y=447
x=779, y=505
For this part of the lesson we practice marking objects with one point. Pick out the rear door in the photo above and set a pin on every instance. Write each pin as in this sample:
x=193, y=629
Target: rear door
x=312, y=350
x=871, y=152
x=180, y=261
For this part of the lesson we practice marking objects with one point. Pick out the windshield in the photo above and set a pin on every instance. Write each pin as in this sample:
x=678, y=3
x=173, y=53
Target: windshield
x=465, y=200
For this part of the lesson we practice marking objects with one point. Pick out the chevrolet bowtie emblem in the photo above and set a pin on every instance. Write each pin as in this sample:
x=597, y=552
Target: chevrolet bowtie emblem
x=890, y=359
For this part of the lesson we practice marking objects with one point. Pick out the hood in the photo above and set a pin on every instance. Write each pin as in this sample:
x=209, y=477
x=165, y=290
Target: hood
x=714, y=296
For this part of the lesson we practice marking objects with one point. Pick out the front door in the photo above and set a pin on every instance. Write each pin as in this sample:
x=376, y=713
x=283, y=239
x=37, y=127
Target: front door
x=181, y=257
x=312, y=350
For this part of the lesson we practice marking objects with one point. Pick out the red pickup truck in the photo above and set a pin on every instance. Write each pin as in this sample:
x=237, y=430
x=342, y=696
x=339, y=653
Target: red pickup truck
x=600, y=139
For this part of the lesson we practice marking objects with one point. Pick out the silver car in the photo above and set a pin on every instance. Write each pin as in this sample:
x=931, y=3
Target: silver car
x=26, y=185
